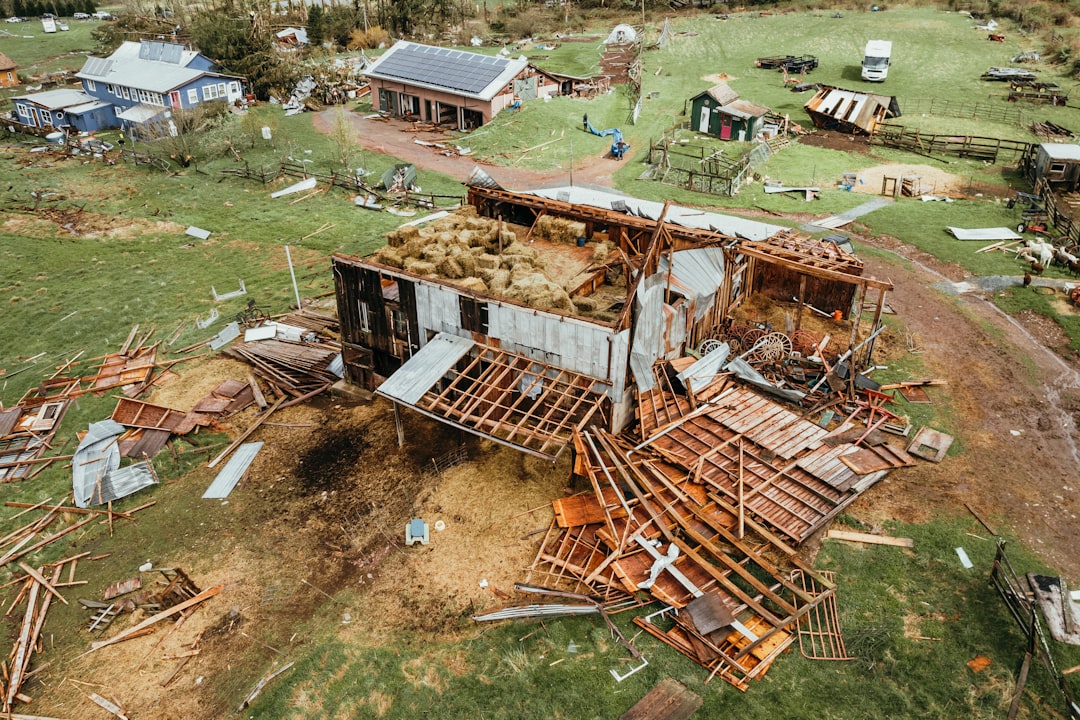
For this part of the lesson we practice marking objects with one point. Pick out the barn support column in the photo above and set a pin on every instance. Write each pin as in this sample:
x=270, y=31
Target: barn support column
x=802, y=294
x=397, y=424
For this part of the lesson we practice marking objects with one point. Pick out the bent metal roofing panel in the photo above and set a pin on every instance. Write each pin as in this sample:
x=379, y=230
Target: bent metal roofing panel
x=458, y=71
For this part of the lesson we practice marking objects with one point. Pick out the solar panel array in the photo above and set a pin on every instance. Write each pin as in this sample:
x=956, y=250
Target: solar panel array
x=164, y=52
x=453, y=69
x=98, y=67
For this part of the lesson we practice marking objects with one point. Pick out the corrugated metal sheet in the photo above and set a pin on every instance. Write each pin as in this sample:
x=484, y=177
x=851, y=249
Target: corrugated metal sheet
x=698, y=274
x=576, y=345
x=704, y=370
x=232, y=472
x=676, y=214
x=648, y=344
x=121, y=482
x=424, y=369
x=437, y=309
x=96, y=456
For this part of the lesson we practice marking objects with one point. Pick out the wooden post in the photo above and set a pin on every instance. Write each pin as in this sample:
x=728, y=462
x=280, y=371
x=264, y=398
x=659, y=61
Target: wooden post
x=802, y=294
x=742, y=517
x=398, y=425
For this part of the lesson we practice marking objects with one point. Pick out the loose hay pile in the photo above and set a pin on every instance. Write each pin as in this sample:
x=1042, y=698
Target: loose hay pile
x=473, y=253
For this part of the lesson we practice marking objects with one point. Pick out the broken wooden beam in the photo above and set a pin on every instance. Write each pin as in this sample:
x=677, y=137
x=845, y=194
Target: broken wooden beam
x=204, y=595
x=851, y=536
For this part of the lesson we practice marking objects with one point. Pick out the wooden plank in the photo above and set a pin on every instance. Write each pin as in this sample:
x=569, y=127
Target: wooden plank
x=44, y=583
x=108, y=705
x=204, y=595
x=852, y=536
x=669, y=700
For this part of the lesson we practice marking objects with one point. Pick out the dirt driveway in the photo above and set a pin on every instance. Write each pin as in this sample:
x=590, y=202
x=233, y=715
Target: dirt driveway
x=1016, y=402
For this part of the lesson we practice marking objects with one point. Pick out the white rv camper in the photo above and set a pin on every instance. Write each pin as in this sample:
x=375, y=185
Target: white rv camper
x=875, y=64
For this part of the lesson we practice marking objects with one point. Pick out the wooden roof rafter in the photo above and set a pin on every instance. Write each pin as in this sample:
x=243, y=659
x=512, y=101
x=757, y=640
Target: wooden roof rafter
x=487, y=396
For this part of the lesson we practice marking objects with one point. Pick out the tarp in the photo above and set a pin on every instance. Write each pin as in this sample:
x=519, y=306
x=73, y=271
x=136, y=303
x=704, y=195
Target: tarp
x=984, y=234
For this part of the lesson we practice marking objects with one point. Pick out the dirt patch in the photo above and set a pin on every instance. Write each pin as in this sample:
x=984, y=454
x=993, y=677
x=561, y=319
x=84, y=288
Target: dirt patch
x=931, y=180
x=717, y=78
x=51, y=221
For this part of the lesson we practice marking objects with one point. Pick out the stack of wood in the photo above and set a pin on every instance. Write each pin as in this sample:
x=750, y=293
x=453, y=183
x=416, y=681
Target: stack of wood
x=298, y=369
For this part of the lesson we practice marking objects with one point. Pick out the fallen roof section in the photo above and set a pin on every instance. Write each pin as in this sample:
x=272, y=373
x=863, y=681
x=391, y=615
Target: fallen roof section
x=509, y=398
x=984, y=234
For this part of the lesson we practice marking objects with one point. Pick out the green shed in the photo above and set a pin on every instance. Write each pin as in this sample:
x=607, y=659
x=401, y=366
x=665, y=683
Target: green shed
x=719, y=111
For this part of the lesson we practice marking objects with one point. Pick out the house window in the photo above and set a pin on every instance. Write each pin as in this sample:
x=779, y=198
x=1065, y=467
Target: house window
x=91, y=86
x=192, y=96
x=209, y=92
x=117, y=109
x=401, y=324
x=1057, y=168
x=365, y=320
x=124, y=93
x=234, y=88
x=221, y=90
x=23, y=112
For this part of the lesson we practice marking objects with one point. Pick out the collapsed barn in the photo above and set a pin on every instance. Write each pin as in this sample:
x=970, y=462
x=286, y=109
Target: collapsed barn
x=576, y=318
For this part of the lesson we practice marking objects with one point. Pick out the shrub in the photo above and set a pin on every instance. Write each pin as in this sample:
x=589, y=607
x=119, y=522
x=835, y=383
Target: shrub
x=373, y=37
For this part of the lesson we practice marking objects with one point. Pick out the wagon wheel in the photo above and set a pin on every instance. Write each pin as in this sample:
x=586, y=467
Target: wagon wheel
x=708, y=346
x=735, y=344
x=804, y=341
x=772, y=348
x=737, y=331
x=751, y=336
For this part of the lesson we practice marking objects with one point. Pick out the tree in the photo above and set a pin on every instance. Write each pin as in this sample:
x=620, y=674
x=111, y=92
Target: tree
x=237, y=36
x=316, y=25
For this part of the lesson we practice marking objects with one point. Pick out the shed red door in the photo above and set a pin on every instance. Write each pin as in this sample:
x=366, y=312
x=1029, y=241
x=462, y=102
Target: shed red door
x=725, y=127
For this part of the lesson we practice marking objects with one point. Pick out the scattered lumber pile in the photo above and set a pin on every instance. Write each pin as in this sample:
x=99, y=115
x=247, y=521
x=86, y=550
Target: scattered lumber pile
x=38, y=588
x=300, y=369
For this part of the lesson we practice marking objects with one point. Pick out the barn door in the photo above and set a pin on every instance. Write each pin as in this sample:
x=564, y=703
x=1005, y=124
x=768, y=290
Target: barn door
x=703, y=121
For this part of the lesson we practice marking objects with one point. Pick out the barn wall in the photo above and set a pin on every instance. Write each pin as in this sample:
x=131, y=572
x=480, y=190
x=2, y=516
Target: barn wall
x=782, y=284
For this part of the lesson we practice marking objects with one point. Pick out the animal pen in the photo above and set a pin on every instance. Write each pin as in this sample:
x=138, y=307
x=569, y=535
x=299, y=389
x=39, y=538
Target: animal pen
x=703, y=167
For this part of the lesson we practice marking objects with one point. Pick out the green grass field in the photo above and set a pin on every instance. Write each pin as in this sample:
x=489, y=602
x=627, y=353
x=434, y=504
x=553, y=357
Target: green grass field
x=911, y=619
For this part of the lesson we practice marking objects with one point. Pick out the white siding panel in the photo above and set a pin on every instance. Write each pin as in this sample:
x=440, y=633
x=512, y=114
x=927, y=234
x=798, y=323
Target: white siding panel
x=436, y=310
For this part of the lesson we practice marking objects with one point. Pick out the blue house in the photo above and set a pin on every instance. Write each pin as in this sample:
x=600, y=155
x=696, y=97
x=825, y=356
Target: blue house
x=137, y=89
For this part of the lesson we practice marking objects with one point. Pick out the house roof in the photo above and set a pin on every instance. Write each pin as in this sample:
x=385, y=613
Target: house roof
x=299, y=34
x=140, y=113
x=7, y=63
x=455, y=71
x=721, y=93
x=152, y=66
x=87, y=107
x=57, y=99
x=1061, y=151
x=744, y=109
x=850, y=109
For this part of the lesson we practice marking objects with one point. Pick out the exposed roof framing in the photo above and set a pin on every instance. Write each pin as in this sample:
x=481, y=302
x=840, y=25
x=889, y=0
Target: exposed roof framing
x=511, y=399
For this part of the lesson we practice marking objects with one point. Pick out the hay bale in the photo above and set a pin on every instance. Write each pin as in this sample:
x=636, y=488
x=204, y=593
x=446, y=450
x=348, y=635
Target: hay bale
x=433, y=253
x=600, y=252
x=397, y=238
x=561, y=230
x=388, y=255
x=420, y=267
x=474, y=284
x=414, y=247
x=499, y=281
x=466, y=211
x=487, y=261
x=450, y=268
x=585, y=303
x=478, y=224
x=516, y=248
x=465, y=259
x=538, y=291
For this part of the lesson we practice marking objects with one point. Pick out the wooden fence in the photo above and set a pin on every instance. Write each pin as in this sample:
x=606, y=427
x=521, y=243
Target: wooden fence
x=967, y=146
x=346, y=181
x=1058, y=215
x=998, y=112
x=702, y=169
